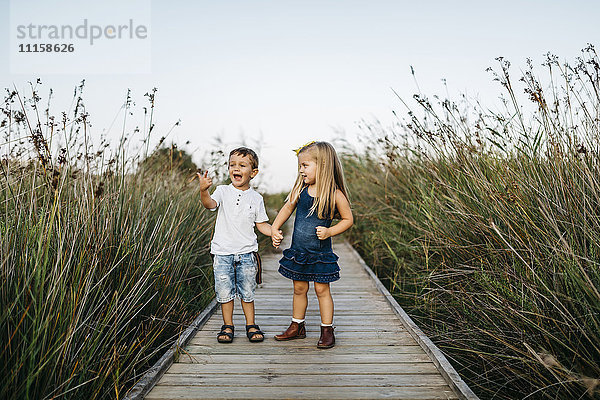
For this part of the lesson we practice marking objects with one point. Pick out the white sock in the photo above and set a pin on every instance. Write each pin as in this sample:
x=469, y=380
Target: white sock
x=322, y=324
x=298, y=320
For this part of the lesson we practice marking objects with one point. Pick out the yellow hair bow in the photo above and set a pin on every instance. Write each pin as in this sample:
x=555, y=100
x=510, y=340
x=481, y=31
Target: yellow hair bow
x=299, y=149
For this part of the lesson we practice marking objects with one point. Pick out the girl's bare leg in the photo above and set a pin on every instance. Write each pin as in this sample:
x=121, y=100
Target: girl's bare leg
x=325, y=302
x=296, y=329
x=300, y=301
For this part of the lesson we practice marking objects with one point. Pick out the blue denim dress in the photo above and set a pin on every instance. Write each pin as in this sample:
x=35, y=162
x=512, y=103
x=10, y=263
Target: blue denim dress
x=309, y=259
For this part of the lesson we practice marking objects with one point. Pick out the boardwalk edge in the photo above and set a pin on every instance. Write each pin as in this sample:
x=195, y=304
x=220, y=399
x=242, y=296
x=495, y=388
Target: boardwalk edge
x=463, y=391
x=152, y=376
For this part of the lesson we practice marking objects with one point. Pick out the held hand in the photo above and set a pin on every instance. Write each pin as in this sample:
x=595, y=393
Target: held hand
x=276, y=237
x=205, y=181
x=323, y=232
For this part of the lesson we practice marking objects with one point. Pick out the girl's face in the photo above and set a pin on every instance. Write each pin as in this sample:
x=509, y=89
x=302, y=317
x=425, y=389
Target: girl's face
x=308, y=167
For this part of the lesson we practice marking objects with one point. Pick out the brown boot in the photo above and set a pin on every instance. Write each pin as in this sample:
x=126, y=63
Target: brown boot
x=294, y=331
x=327, y=340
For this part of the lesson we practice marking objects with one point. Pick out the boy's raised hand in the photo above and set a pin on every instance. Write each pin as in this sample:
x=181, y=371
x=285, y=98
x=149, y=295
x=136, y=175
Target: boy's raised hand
x=205, y=181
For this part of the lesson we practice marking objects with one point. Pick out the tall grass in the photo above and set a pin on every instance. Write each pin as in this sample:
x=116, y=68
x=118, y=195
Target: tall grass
x=102, y=264
x=485, y=225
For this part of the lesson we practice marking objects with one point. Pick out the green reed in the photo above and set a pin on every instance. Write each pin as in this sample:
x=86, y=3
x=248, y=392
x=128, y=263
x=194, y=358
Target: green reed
x=485, y=225
x=103, y=264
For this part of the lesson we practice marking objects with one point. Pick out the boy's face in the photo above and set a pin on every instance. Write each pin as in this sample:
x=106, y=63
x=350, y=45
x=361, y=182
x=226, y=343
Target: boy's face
x=241, y=171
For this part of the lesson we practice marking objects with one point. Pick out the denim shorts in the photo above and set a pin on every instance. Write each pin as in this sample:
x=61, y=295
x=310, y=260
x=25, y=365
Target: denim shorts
x=235, y=276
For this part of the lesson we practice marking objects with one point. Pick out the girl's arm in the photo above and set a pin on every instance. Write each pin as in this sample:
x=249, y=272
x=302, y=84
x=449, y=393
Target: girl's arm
x=347, y=220
x=282, y=216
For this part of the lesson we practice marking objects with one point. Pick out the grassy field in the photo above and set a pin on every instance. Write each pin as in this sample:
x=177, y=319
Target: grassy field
x=102, y=263
x=485, y=225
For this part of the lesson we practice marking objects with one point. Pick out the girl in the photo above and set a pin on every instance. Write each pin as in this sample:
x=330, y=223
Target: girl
x=318, y=195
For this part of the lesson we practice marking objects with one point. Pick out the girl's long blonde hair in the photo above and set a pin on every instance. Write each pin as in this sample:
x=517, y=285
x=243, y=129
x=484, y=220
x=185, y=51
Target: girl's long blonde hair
x=329, y=178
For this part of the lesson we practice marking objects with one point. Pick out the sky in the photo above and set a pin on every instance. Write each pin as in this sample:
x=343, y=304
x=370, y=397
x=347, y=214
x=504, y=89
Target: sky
x=277, y=74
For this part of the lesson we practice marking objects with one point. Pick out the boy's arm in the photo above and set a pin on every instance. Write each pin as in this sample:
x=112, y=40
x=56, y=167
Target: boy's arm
x=264, y=228
x=206, y=200
x=347, y=220
x=262, y=219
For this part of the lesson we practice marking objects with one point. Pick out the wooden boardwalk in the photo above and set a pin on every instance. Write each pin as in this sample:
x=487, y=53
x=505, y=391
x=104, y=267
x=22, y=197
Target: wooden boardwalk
x=375, y=355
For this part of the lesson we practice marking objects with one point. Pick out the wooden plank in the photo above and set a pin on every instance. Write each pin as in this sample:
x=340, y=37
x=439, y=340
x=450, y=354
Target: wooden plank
x=346, y=380
x=345, y=281
x=341, y=337
x=316, y=319
x=232, y=392
x=309, y=312
x=326, y=358
x=285, y=295
x=284, y=309
x=314, y=327
x=339, y=326
x=296, y=369
x=313, y=306
x=338, y=290
x=313, y=309
x=391, y=341
x=259, y=350
x=388, y=313
x=339, y=306
x=312, y=323
x=351, y=304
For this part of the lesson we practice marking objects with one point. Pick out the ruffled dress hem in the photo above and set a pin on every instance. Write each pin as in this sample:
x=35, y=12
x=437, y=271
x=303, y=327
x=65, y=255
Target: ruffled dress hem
x=310, y=267
x=297, y=276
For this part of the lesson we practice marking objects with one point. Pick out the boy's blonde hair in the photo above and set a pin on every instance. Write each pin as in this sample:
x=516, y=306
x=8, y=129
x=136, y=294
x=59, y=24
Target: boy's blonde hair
x=329, y=178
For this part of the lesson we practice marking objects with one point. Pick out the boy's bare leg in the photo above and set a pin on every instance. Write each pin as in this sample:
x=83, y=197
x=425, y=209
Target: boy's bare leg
x=300, y=301
x=248, y=308
x=227, y=311
x=325, y=302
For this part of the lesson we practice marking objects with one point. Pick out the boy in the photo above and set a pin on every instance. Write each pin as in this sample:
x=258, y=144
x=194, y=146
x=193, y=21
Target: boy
x=234, y=241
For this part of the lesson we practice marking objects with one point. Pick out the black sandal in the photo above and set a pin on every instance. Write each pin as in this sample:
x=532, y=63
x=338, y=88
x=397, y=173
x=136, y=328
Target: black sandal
x=225, y=333
x=256, y=332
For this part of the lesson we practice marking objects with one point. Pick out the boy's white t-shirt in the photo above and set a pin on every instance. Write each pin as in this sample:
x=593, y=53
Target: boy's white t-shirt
x=238, y=211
